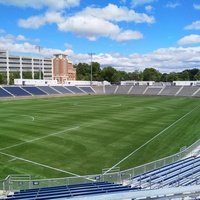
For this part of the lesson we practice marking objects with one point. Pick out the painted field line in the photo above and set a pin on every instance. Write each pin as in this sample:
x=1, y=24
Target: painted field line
x=39, y=164
x=33, y=140
x=150, y=140
x=29, y=117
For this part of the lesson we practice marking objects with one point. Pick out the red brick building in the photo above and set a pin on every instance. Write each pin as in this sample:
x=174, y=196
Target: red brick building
x=63, y=70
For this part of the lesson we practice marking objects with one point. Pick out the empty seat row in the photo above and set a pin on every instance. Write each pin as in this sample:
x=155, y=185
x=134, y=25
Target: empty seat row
x=69, y=191
x=17, y=91
x=180, y=172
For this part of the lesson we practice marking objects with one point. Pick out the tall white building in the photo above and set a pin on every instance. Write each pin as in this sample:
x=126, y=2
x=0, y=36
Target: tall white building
x=13, y=63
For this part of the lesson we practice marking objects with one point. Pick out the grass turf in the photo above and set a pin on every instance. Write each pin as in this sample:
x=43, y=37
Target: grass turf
x=54, y=137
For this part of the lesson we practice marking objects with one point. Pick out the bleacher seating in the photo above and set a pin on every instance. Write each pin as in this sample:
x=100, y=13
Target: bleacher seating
x=48, y=90
x=16, y=91
x=122, y=89
x=98, y=89
x=170, y=90
x=74, y=89
x=62, y=89
x=153, y=90
x=182, y=91
x=4, y=93
x=138, y=89
x=34, y=90
x=69, y=191
x=187, y=91
x=182, y=172
x=86, y=89
x=110, y=89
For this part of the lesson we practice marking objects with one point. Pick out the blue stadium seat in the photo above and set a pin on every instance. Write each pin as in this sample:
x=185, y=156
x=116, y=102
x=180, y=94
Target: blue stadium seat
x=74, y=89
x=34, y=90
x=4, y=93
x=16, y=91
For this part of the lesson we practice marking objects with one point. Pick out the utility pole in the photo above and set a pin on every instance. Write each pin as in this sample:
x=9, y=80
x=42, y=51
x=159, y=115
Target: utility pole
x=39, y=48
x=91, y=54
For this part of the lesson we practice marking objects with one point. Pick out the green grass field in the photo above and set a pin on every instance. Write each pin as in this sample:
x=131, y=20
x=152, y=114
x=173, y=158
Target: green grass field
x=62, y=136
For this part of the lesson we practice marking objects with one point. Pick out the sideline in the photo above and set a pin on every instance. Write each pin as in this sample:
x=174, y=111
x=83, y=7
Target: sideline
x=33, y=140
x=150, y=140
x=39, y=164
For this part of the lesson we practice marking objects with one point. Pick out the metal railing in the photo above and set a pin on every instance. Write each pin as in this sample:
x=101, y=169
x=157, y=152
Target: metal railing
x=18, y=182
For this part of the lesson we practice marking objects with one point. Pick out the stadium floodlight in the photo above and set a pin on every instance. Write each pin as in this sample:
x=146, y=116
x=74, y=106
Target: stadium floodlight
x=91, y=54
x=39, y=48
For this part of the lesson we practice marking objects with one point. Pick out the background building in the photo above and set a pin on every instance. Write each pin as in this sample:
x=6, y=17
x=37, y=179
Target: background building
x=63, y=70
x=29, y=67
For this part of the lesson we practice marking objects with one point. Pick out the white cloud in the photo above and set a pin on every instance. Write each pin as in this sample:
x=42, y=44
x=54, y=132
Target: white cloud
x=172, y=5
x=115, y=13
x=135, y=3
x=191, y=39
x=21, y=38
x=92, y=23
x=2, y=31
x=195, y=25
x=149, y=9
x=92, y=28
x=38, y=4
x=164, y=60
x=128, y=35
x=36, y=22
x=197, y=6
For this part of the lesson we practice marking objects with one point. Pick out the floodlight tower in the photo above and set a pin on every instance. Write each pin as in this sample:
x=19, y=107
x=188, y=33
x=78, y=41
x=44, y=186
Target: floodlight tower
x=91, y=54
x=39, y=48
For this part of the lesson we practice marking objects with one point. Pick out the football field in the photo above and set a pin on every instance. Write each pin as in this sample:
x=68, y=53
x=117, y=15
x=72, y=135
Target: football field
x=80, y=135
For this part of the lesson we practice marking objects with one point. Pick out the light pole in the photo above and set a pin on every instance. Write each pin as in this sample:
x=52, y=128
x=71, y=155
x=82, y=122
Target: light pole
x=39, y=48
x=91, y=54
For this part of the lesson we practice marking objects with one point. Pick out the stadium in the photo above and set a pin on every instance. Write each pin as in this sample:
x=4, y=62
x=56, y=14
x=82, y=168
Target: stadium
x=102, y=142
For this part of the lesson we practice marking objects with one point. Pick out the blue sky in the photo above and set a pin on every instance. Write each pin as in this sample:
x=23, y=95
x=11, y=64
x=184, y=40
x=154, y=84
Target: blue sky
x=128, y=35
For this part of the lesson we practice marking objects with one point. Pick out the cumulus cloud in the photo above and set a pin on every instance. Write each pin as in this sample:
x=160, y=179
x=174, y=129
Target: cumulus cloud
x=164, y=60
x=190, y=39
x=172, y=5
x=135, y=3
x=36, y=22
x=115, y=13
x=149, y=9
x=195, y=25
x=92, y=23
x=38, y=4
x=2, y=31
x=128, y=35
x=197, y=6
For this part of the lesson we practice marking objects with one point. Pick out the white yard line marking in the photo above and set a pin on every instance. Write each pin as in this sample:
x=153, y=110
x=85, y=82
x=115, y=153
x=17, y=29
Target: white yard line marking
x=12, y=160
x=150, y=140
x=39, y=164
x=29, y=117
x=15, y=145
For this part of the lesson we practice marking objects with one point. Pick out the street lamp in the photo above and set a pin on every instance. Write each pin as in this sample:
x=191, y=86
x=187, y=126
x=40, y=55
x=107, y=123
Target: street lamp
x=91, y=54
x=39, y=48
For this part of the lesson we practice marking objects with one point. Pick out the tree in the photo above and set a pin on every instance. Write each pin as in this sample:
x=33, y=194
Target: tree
x=110, y=74
x=173, y=76
x=184, y=76
x=197, y=76
x=83, y=71
x=2, y=78
x=151, y=74
x=14, y=75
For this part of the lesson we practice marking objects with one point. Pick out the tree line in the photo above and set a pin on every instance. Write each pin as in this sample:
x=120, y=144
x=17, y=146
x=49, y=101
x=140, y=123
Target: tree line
x=83, y=72
x=16, y=75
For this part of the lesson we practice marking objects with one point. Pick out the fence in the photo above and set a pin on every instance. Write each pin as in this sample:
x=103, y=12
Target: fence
x=17, y=182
